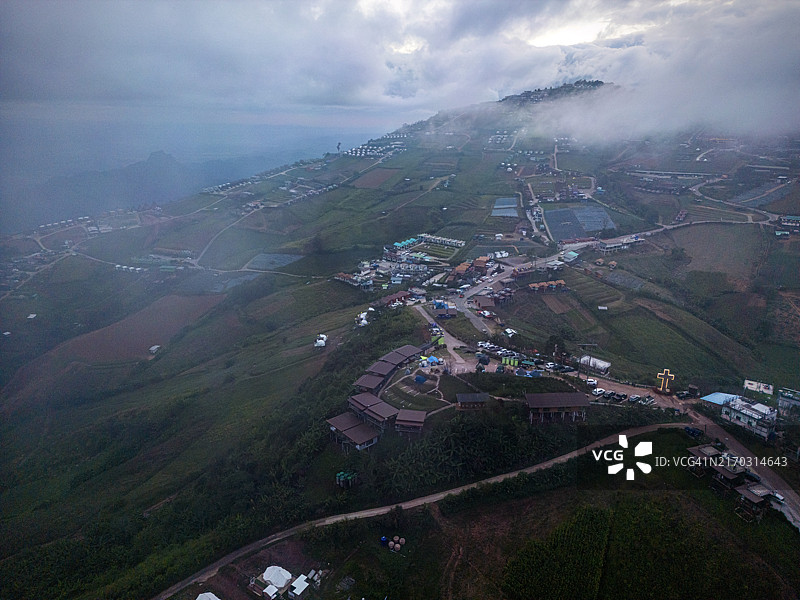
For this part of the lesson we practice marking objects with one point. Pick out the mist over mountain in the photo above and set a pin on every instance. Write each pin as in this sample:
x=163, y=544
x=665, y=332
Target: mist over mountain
x=66, y=172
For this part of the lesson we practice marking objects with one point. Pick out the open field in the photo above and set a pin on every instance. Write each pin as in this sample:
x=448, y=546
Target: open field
x=375, y=178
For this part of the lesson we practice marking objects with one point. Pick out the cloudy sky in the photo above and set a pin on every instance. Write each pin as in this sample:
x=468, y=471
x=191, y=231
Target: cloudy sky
x=374, y=64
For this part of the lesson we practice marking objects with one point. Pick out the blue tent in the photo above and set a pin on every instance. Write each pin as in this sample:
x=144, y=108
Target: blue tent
x=420, y=379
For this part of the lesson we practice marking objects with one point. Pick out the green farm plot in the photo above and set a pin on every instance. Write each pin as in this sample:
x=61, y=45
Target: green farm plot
x=529, y=315
x=778, y=363
x=235, y=247
x=591, y=291
x=72, y=297
x=121, y=245
x=462, y=328
x=789, y=204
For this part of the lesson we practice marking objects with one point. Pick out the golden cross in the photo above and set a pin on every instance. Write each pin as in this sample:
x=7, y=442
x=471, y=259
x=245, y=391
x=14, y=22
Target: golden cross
x=665, y=376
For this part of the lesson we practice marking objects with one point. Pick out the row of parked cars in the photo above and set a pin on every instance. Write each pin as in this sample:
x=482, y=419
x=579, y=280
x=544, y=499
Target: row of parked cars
x=620, y=397
x=504, y=352
x=539, y=362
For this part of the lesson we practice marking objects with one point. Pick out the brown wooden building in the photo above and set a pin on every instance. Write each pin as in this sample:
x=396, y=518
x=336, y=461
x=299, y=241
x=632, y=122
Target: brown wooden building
x=557, y=406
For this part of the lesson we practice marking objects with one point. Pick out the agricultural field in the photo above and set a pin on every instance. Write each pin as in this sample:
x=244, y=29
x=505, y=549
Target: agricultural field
x=375, y=178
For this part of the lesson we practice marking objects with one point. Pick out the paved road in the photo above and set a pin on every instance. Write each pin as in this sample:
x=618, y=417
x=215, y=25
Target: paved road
x=212, y=569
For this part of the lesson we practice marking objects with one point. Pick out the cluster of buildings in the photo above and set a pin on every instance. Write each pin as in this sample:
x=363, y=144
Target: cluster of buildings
x=381, y=148
x=549, y=407
x=55, y=226
x=427, y=238
x=729, y=476
x=369, y=416
x=791, y=223
x=399, y=264
x=556, y=285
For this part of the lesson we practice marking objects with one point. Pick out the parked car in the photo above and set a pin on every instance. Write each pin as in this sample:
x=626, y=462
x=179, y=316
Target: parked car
x=608, y=394
x=748, y=474
x=634, y=398
x=598, y=392
x=591, y=382
x=694, y=432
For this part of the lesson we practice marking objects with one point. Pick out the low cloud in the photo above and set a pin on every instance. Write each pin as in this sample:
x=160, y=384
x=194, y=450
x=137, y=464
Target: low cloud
x=732, y=64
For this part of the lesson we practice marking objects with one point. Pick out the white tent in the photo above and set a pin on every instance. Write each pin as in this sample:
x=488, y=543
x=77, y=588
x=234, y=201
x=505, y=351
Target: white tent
x=277, y=576
x=271, y=591
x=207, y=596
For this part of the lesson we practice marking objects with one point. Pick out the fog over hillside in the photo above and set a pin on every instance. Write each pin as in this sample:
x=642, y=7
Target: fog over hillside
x=92, y=85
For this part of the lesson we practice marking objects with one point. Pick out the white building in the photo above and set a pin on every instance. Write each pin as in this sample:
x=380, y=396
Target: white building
x=595, y=364
x=758, y=418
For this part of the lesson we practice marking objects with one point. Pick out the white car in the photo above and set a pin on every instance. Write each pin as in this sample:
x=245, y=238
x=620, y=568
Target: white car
x=592, y=382
x=598, y=392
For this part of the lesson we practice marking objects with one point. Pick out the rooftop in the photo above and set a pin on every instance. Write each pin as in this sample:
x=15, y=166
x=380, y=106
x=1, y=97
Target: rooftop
x=393, y=358
x=344, y=421
x=410, y=418
x=364, y=401
x=557, y=400
x=369, y=381
x=381, y=411
x=472, y=398
x=361, y=433
x=408, y=350
x=381, y=368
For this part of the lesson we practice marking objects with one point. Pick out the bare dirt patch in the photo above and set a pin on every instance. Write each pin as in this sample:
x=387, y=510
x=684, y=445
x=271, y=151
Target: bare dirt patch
x=375, y=178
x=556, y=304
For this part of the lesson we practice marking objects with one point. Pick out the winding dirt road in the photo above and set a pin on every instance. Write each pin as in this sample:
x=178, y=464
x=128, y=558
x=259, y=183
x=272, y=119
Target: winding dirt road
x=212, y=569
